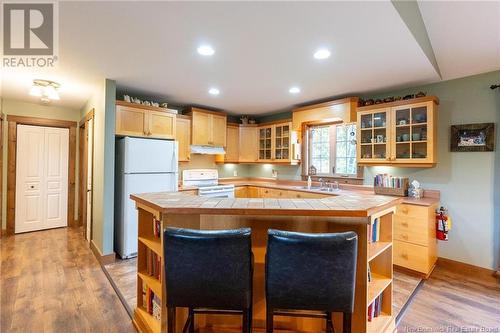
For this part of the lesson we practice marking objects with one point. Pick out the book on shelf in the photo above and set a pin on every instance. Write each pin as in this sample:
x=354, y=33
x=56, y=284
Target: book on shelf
x=156, y=228
x=369, y=273
x=375, y=309
x=374, y=231
x=386, y=180
x=151, y=302
x=153, y=264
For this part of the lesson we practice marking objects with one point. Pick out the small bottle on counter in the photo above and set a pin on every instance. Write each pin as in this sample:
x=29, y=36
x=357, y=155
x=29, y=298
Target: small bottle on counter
x=309, y=182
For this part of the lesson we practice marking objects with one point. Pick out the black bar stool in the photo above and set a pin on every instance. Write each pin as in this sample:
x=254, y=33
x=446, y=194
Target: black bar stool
x=208, y=272
x=310, y=275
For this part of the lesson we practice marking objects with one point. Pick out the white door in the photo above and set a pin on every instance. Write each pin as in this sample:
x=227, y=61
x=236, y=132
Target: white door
x=41, y=178
x=90, y=138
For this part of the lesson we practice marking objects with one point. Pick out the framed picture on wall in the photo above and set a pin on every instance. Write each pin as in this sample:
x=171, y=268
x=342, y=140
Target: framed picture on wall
x=472, y=137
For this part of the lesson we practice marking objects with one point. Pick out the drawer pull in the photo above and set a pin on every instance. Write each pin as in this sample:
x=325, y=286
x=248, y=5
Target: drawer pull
x=404, y=210
x=404, y=224
x=404, y=256
x=404, y=236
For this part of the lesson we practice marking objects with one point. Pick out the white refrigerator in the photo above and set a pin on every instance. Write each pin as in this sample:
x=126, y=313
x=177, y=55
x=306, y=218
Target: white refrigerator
x=141, y=166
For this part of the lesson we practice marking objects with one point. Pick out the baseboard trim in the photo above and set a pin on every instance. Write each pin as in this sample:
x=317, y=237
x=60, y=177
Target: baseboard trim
x=103, y=259
x=457, y=265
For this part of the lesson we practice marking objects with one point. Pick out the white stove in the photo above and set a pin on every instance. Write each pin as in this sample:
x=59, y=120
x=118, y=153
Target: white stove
x=207, y=182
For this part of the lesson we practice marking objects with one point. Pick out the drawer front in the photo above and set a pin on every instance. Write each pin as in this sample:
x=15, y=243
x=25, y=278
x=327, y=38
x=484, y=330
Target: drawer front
x=411, y=229
x=415, y=257
x=412, y=210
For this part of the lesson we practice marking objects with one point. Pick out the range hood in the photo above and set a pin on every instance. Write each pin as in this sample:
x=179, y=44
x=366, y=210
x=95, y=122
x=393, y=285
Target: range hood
x=207, y=150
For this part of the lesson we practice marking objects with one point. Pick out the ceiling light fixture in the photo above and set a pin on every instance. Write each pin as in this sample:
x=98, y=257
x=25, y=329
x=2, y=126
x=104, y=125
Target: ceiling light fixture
x=214, y=91
x=205, y=50
x=294, y=90
x=322, y=54
x=46, y=90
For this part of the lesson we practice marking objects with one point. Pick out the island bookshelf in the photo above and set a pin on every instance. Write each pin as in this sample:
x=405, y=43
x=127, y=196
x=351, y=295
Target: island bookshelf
x=151, y=240
x=375, y=255
x=380, y=265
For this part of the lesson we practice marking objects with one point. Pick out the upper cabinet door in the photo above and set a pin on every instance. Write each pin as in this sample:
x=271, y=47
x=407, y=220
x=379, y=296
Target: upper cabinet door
x=201, y=128
x=218, y=133
x=266, y=143
x=374, y=136
x=413, y=128
x=232, y=146
x=161, y=125
x=183, y=136
x=248, y=143
x=130, y=121
x=282, y=135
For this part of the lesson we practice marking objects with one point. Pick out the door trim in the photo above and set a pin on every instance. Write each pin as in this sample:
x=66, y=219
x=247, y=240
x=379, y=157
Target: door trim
x=13, y=121
x=82, y=172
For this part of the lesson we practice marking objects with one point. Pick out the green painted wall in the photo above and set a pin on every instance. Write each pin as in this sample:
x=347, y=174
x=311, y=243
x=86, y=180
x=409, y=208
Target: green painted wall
x=469, y=182
x=103, y=103
x=466, y=180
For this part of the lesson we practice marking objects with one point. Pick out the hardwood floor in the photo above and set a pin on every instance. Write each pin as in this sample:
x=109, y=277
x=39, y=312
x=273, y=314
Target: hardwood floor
x=124, y=276
x=454, y=301
x=123, y=273
x=51, y=282
x=404, y=286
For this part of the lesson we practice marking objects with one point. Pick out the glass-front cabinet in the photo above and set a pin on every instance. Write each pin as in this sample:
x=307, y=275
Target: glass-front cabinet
x=275, y=142
x=265, y=143
x=398, y=133
x=372, y=136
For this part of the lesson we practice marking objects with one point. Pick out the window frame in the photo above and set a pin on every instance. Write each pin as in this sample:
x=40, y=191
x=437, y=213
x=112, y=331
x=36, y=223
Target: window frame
x=306, y=150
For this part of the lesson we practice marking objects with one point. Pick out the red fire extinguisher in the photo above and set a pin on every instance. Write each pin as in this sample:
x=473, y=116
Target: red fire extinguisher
x=443, y=224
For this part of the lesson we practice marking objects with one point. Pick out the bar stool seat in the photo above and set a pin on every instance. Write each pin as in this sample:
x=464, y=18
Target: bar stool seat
x=208, y=272
x=310, y=275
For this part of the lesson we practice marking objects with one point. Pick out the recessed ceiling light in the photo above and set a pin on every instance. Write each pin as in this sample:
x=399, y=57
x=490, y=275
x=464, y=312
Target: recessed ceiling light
x=294, y=90
x=322, y=54
x=214, y=91
x=206, y=50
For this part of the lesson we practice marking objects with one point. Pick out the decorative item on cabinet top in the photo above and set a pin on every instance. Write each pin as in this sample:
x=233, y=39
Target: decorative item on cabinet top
x=401, y=133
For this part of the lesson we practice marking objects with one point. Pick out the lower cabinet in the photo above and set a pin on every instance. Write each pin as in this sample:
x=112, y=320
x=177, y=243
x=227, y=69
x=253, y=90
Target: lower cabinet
x=415, y=244
x=273, y=193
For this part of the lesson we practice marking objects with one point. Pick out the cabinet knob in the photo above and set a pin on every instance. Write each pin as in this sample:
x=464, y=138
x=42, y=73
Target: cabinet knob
x=404, y=236
x=404, y=224
x=404, y=256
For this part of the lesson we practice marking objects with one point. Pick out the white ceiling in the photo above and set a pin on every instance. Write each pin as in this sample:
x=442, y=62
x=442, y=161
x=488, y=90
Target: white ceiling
x=262, y=49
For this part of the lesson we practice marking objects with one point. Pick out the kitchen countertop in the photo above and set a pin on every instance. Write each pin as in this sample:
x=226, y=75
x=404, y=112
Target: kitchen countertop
x=430, y=197
x=343, y=203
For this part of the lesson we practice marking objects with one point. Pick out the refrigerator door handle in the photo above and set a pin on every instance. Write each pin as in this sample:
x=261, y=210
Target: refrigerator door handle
x=174, y=159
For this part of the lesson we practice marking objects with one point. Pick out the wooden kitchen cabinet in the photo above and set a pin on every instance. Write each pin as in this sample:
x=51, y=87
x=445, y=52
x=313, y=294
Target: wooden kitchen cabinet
x=144, y=121
x=248, y=143
x=130, y=121
x=241, y=192
x=402, y=133
x=415, y=244
x=183, y=136
x=275, y=142
x=208, y=128
x=161, y=125
x=232, y=145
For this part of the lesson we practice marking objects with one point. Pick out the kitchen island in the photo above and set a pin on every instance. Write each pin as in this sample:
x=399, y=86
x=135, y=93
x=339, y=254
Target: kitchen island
x=346, y=211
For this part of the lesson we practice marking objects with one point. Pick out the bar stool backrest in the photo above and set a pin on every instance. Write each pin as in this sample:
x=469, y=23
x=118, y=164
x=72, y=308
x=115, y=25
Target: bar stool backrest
x=208, y=268
x=311, y=271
